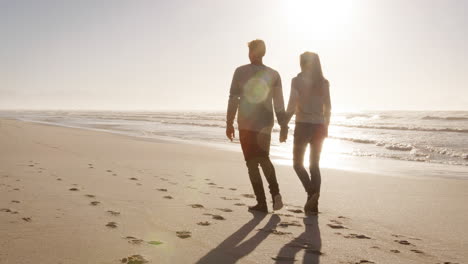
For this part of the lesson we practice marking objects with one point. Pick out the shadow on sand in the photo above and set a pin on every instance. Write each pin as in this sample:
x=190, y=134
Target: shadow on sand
x=231, y=249
x=309, y=240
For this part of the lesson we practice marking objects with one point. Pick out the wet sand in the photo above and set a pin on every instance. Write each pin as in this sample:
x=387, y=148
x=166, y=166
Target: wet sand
x=79, y=196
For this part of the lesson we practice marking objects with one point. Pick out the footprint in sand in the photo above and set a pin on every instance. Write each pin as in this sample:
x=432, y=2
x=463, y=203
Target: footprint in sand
x=59, y=179
x=204, y=223
x=196, y=206
x=112, y=225
x=239, y=204
x=183, y=234
x=109, y=170
x=229, y=199
x=162, y=190
x=27, y=219
x=226, y=210
x=336, y=226
x=274, y=231
x=296, y=211
x=90, y=195
x=287, y=224
x=73, y=189
x=168, y=197
x=284, y=258
x=133, y=179
x=285, y=215
x=215, y=217
x=314, y=251
x=357, y=236
x=15, y=201
x=248, y=196
x=134, y=240
x=114, y=213
x=417, y=251
x=412, y=238
x=233, y=189
x=211, y=183
x=94, y=203
x=364, y=261
x=395, y=251
x=403, y=242
x=134, y=259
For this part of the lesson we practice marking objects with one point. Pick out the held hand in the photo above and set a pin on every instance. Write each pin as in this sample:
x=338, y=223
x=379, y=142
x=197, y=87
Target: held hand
x=325, y=130
x=283, y=134
x=230, y=132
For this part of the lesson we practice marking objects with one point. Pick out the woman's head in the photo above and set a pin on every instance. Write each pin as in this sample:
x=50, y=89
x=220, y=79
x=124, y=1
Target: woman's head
x=310, y=63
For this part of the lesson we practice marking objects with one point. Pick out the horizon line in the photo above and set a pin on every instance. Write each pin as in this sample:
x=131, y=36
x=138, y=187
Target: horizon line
x=215, y=110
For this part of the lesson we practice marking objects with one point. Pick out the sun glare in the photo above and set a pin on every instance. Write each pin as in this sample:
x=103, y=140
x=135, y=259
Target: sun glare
x=313, y=16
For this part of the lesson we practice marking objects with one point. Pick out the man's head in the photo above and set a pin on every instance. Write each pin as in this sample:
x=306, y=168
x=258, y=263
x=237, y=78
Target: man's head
x=257, y=50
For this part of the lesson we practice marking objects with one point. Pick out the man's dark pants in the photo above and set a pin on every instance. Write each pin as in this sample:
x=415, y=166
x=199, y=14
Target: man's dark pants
x=256, y=149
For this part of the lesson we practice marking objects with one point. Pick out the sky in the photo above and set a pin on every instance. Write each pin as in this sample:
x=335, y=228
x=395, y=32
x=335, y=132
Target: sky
x=180, y=55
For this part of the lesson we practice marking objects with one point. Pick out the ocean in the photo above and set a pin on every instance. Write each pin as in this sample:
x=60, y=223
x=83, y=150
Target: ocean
x=412, y=143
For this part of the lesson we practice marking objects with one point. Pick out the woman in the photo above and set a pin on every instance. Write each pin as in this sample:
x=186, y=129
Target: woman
x=310, y=101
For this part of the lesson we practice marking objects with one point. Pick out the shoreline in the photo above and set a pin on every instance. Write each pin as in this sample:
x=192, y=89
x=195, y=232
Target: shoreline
x=348, y=163
x=427, y=212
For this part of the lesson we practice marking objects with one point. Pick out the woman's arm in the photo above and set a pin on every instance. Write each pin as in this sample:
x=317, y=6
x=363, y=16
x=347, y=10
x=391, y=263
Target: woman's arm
x=327, y=103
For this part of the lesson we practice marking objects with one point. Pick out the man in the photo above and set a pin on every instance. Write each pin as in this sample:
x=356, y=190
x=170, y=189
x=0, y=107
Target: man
x=255, y=89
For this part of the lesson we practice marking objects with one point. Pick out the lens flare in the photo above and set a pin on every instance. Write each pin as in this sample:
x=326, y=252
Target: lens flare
x=256, y=90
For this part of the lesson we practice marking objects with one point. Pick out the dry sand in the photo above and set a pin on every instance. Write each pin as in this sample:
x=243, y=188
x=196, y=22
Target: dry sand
x=79, y=196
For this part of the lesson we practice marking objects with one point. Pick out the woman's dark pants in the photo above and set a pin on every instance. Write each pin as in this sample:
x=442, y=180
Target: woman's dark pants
x=313, y=135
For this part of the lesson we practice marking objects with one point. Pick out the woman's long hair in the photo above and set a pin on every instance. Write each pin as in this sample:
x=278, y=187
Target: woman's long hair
x=311, y=66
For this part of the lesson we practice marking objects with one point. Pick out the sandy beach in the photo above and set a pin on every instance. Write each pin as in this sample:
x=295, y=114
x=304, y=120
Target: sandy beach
x=80, y=196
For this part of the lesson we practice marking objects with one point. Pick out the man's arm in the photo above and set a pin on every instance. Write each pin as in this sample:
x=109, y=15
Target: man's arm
x=278, y=102
x=233, y=104
x=291, y=110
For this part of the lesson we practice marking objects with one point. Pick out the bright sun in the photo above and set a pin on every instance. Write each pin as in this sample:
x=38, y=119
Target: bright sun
x=314, y=16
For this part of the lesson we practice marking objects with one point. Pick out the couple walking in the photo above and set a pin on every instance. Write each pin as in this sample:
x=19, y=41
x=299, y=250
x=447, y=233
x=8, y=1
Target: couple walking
x=255, y=93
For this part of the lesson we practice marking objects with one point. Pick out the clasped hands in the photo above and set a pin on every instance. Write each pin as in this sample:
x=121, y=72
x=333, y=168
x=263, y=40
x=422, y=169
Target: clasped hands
x=230, y=133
